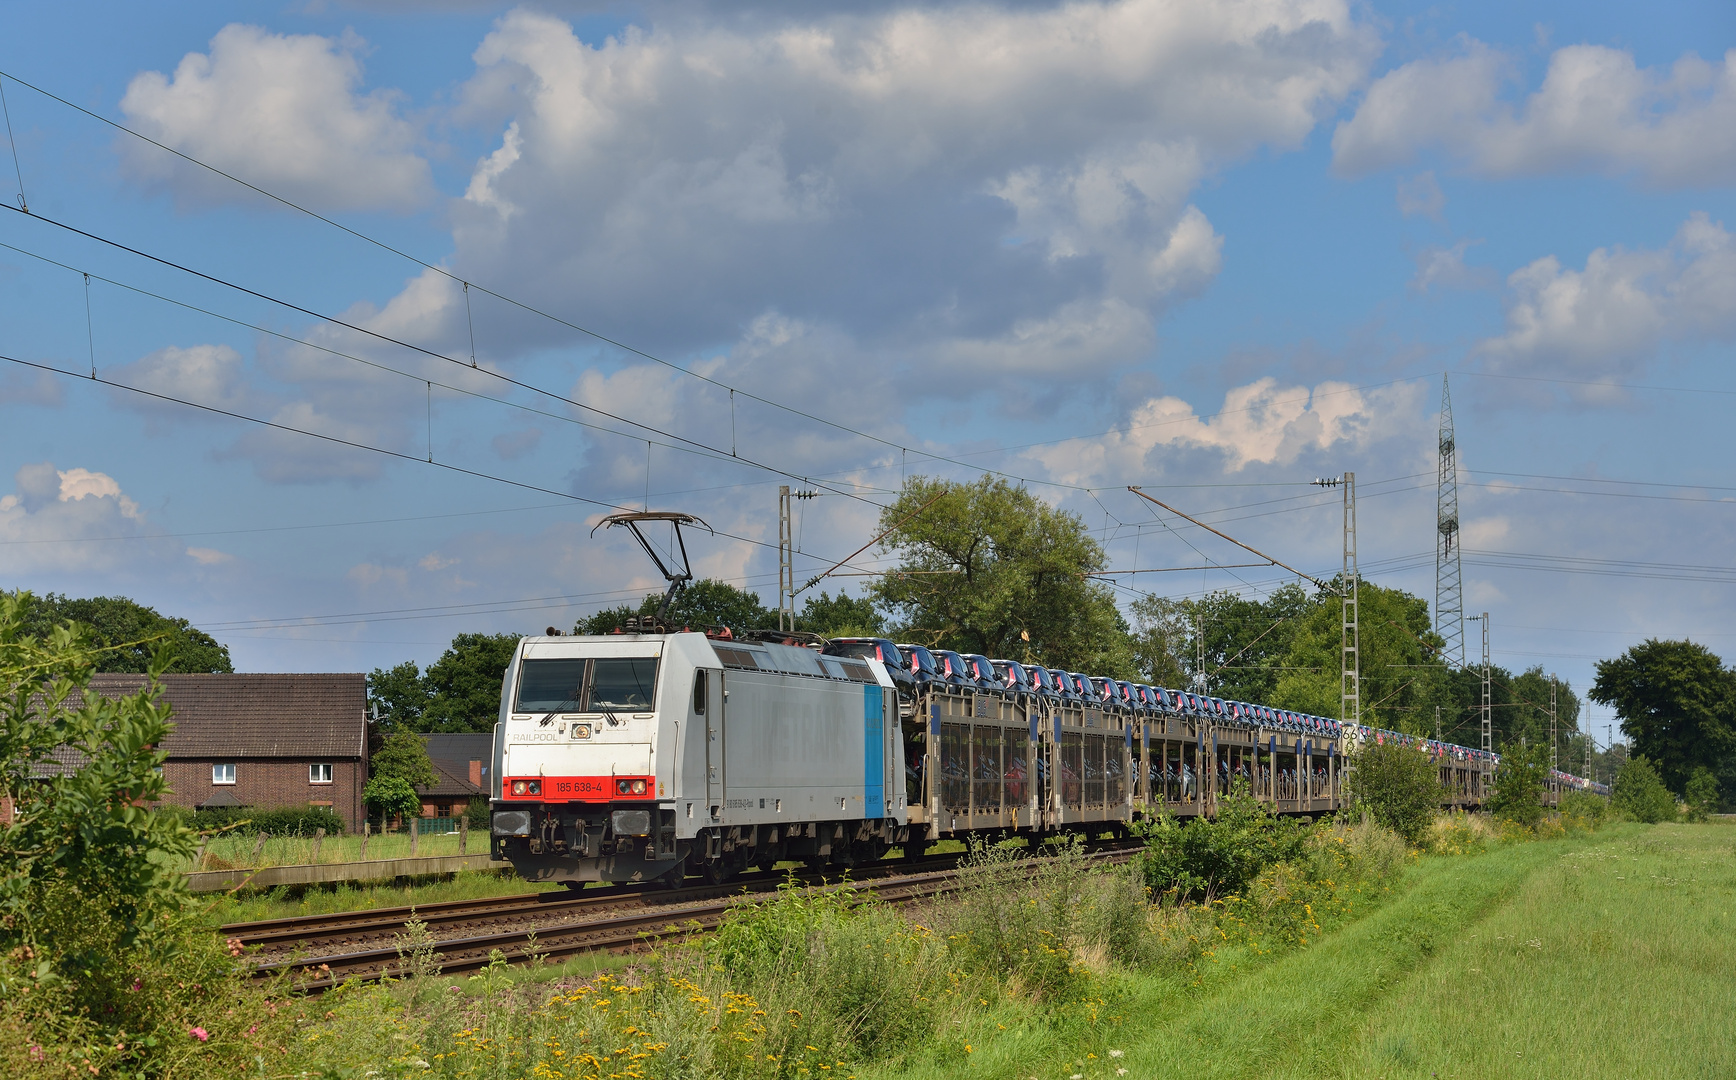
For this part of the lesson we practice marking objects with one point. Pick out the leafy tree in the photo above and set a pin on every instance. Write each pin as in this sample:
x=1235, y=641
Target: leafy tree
x=1398, y=786
x=399, y=696
x=1401, y=674
x=1702, y=794
x=706, y=602
x=1162, y=631
x=390, y=797
x=1677, y=701
x=1640, y=793
x=404, y=756
x=463, y=686
x=989, y=568
x=1528, y=717
x=709, y=602
x=841, y=616
x=131, y=634
x=1519, y=784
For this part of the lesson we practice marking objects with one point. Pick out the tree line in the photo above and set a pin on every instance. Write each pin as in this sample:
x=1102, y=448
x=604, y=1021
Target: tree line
x=987, y=567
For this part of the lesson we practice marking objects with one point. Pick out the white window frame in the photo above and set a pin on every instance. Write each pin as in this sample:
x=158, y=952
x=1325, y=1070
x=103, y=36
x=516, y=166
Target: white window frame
x=313, y=776
x=217, y=777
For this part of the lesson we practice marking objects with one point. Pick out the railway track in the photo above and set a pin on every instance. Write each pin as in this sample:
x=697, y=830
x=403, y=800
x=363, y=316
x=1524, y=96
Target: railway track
x=322, y=951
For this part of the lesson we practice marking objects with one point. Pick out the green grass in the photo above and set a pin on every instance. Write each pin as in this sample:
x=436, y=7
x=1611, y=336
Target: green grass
x=286, y=902
x=1616, y=959
x=237, y=850
x=1612, y=954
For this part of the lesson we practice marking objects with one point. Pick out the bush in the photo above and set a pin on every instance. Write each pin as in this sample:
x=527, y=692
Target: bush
x=1702, y=794
x=478, y=813
x=1640, y=793
x=1208, y=858
x=103, y=966
x=1585, y=809
x=1398, y=786
x=391, y=796
x=1519, y=785
x=283, y=821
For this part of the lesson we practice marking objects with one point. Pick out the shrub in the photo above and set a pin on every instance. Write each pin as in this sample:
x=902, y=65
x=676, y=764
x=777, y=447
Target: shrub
x=283, y=821
x=1641, y=794
x=102, y=966
x=1398, y=786
x=391, y=796
x=1702, y=794
x=1519, y=785
x=1585, y=809
x=478, y=813
x=1208, y=858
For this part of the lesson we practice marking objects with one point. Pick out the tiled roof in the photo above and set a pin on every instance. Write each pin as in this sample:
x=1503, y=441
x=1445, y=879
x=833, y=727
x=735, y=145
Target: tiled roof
x=455, y=752
x=450, y=783
x=258, y=716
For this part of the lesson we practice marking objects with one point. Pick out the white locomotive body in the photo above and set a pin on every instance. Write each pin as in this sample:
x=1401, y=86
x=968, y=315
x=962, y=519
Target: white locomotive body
x=632, y=757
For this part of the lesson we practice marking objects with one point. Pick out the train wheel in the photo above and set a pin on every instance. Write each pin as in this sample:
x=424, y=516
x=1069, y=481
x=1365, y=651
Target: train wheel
x=676, y=877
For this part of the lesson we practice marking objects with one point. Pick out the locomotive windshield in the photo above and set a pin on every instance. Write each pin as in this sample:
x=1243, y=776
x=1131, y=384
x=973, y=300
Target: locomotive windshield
x=622, y=683
x=574, y=684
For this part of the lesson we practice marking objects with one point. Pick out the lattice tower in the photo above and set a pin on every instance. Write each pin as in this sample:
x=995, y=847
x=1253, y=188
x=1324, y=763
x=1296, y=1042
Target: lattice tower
x=1449, y=591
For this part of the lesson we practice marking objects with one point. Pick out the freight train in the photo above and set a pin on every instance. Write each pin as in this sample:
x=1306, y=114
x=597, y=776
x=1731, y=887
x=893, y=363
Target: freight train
x=646, y=755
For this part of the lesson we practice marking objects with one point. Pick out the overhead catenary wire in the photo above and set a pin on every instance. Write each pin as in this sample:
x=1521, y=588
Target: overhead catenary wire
x=12, y=141
x=605, y=339
x=378, y=366
x=310, y=313
x=337, y=440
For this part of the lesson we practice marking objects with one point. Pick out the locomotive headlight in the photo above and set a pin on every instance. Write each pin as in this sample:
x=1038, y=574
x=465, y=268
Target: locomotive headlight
x=629, y=787
x=536, y=787
x=581, y=731
x=518, y=787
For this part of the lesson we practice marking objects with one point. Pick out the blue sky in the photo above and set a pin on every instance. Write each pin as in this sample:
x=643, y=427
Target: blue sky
x=1215, y=250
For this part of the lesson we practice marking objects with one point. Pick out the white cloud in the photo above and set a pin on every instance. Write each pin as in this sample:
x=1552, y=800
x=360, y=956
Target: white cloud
x=1260, y=423
x=1613, y=316
x=209, y=556
x=75, y=520
x=22, y=386
x=213, y=375
x=1596, y=110
x=1421, y=194
x=282, y=111
x=933, y=182
x=1443, y=267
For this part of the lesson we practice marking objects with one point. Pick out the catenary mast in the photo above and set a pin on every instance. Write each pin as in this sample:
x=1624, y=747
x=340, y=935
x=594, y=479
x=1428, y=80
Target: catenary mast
x=1449, y=593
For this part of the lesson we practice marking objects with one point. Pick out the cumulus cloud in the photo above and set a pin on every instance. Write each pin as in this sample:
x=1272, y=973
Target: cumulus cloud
x=1596, y=110
x=213, y=375
x=58, y=519
x=283, y=111
x=24, y=386
x=1421, y=194
x=1444, y=267
x=1260, y=423
x=1614, y=314
x=942, y=183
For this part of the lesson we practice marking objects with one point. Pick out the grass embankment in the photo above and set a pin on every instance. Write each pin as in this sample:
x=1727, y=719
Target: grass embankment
x=241, y=850
x=1605, y=955
x=1615, y=958
x=286, y=902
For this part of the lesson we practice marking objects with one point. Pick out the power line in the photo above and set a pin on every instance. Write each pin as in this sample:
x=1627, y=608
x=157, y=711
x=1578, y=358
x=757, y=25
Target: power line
x=467, y=285
x=354, y=445
x=310, y=313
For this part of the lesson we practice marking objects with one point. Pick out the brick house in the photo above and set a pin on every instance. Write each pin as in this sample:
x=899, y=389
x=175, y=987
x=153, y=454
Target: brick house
x=265, y=741
x=461, y=764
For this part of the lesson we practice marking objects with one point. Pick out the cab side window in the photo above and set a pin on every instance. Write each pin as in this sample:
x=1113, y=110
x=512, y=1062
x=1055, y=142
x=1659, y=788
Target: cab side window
x=699, y=688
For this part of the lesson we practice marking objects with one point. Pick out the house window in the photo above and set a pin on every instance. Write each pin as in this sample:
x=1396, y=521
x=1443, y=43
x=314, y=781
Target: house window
x=319, y=774
x=223, y=774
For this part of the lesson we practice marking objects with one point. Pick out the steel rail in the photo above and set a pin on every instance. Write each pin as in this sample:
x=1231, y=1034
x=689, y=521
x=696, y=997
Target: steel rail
x=626, y=932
